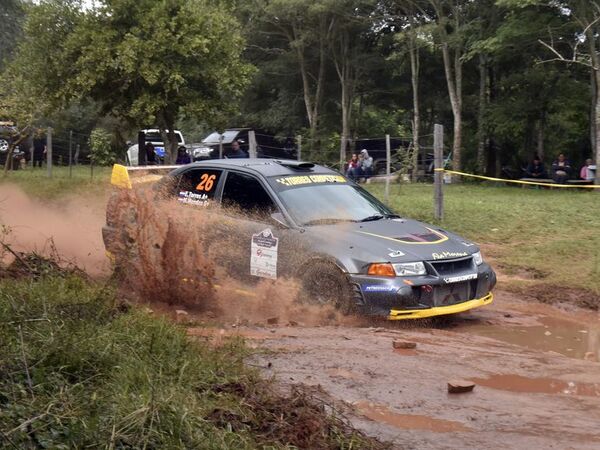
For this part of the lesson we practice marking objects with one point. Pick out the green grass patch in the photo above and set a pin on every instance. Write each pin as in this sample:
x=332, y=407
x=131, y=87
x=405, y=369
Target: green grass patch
x=80, y=370
x=81, y=180
x=549, y=235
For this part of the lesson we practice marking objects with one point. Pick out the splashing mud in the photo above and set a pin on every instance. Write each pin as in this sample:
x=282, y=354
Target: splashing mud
x=200, y=258
x=70, y=227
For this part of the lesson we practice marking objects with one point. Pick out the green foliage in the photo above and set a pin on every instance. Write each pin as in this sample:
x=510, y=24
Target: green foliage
x=149, y=62
x=11, y=17
x=101, y=152
x=79, y=369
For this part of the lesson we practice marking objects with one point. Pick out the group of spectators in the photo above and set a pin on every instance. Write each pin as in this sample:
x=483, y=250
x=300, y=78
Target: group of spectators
x=360, y=166
x=560, y=171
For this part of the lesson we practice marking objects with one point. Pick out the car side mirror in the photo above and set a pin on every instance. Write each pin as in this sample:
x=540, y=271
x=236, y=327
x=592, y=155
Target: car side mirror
x=278, y=218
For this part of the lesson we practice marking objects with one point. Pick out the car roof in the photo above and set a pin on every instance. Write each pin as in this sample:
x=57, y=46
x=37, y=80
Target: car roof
x=262, y=166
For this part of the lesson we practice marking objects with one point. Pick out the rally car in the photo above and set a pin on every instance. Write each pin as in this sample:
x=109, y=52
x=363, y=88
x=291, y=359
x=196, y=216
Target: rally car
x=347, y=248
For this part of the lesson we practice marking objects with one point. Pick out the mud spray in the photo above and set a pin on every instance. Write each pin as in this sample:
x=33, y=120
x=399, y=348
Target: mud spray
x=198, y=259
x=71, y=227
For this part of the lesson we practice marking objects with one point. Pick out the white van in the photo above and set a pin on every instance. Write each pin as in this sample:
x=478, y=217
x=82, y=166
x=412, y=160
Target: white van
x=152, y=135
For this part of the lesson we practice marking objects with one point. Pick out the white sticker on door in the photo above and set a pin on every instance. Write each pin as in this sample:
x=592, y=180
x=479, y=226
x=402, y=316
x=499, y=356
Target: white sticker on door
x=263, y=258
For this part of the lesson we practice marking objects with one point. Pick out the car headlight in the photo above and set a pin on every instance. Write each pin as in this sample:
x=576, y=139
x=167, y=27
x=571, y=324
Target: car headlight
x=478, y=258
x=409, y=269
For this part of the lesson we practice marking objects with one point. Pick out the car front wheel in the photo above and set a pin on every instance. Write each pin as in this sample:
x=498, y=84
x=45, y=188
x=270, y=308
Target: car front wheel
x=323, y=283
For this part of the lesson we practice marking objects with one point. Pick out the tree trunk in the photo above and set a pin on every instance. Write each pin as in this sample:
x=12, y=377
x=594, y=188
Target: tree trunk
x=597, y=128
x=483, y=102
x=591, y=38
x=345, y=122
x=540, y=139
x=312, y=101
x=454, y=82
x=414, y=70
x=594, y=89
x=169, y=139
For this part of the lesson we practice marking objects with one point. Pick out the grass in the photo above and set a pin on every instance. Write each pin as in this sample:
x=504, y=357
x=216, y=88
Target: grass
x=36, y=182
x=80, y=370
x=551, y=236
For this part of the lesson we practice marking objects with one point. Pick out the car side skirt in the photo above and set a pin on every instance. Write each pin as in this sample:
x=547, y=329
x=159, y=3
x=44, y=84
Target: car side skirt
x=401, y=314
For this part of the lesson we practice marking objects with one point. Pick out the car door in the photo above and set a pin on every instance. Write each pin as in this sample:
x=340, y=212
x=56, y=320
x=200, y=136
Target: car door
x=260, y=247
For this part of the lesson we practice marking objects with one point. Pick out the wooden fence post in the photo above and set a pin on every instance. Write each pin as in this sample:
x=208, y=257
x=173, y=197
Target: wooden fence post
x=299, y=152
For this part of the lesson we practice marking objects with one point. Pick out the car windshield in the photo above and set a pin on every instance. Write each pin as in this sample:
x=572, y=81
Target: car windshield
x=329, y=203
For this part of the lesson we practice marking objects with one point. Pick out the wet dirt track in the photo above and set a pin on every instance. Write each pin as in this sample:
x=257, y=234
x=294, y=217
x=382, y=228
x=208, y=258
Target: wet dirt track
x=529, y=393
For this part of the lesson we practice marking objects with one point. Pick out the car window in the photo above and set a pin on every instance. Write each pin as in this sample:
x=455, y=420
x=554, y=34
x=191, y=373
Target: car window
x=198, y=186
x=244, y=194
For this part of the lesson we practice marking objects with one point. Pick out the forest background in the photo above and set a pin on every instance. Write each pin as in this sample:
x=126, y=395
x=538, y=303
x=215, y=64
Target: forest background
x=507, y=78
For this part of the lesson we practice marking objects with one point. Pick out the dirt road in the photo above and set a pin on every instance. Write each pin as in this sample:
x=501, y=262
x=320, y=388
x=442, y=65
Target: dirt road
x=538, y=385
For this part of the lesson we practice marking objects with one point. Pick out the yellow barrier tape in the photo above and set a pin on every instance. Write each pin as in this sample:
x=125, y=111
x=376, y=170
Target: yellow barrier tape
x=503, y=180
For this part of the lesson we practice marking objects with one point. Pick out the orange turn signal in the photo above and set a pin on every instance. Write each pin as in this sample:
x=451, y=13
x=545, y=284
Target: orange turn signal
x=382, y=270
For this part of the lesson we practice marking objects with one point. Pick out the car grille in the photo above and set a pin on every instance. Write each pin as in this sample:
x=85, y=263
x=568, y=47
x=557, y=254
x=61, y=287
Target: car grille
x=453, y=267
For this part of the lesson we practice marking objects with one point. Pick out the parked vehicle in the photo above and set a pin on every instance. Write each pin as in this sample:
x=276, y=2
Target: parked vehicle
x=267, y=146
x=153, y=136
x=8, y=132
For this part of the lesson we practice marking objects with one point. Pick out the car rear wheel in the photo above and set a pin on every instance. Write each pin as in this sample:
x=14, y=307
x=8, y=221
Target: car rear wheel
x=324, y=284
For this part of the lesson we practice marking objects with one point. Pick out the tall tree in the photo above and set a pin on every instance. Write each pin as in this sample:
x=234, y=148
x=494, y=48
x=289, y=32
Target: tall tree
x=146, y=61
x=452, y=20
x=353, y=41
x=306, y=26
x=586, y=15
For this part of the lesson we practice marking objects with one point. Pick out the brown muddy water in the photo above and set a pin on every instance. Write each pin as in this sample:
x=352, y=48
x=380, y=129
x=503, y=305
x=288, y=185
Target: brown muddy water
x=519, y=383
x=380, y=413
x=573, y=339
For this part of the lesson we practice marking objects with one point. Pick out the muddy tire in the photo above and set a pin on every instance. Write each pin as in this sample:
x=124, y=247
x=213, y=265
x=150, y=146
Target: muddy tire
x=323, y=283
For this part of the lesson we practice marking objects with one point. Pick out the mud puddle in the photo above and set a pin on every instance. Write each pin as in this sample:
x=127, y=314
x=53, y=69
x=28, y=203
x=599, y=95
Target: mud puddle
x=569, y=338
x=380, y=413
x=521, y=384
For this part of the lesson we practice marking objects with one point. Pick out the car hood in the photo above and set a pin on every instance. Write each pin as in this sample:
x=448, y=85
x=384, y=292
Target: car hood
x=388, y=240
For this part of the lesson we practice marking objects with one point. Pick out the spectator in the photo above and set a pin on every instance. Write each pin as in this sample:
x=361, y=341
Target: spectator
x=182, y=156
x=236, y=151
x=150, y=154
x=586, y=173
x=366, y=164
x=536, y=169
x=353, y=166
x=561, y=169
x=39, y=150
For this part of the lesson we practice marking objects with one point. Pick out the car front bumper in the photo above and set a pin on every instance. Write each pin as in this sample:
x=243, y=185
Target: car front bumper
x=423, y=296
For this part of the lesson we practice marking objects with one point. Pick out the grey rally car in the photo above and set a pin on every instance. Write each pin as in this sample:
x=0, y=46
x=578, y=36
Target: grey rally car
x=346, y=247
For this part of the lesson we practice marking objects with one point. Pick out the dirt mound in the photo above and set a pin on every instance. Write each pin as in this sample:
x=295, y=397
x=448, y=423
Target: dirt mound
x=557, y=295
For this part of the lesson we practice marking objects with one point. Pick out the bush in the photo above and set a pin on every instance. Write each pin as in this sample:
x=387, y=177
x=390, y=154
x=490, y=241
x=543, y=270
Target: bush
x=101, y=152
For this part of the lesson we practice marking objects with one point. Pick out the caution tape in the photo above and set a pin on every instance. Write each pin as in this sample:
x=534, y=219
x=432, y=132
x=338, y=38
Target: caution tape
x=532, y=183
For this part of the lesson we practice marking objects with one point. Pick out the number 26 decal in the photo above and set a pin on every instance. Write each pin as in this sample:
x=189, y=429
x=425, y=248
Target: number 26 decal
x=206, y=182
